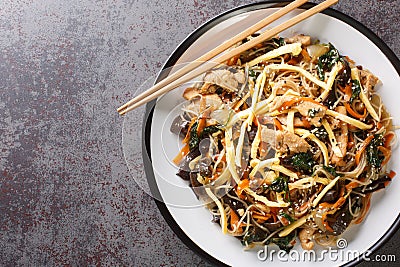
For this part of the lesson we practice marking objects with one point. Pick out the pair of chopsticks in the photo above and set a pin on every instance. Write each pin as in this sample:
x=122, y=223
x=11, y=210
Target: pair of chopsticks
x=196, y=67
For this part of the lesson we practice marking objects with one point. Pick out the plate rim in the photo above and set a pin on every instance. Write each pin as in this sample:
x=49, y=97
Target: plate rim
x=173, y=58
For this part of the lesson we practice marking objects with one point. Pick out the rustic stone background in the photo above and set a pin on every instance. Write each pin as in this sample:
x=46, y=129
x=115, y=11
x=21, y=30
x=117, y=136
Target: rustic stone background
x=66, y=195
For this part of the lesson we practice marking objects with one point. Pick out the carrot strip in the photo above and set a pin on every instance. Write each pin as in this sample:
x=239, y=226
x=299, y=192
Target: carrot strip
x=201, y=125
x=184, y=151
x=351, y=185
x=233, y=60
x=392, y=174
x=363, y=147
x=306, y=123
x=354, y=113
x=388, y=138
x=278, y=124
x=305, y=55
x=234, y=220
x=327, y=226
x=243, y=184
x=293, y=61
x=262, y=217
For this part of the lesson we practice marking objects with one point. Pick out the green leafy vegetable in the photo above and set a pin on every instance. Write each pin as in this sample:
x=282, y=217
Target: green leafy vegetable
x=285, y=243
x=331, y=170
x=374, y=155
x=303, y=162
x=279, y=41
x=252, y=73
x=253, y=235
x=209, y=130
x=194, y=139
x=356, y=89
x=287, y=217
x=280, y=184
x=326, y=61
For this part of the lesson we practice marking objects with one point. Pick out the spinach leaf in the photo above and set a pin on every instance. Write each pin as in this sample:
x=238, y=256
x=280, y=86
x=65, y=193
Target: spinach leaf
x=280, y=184
x=209, y=130
x=278, y=42
x=356, y=89
x=254, y=235
x=374, y=155
x=331, y=170
x=303, y=162
x=284, y=243
x=252, y=73
x=194, y=139
x=326, y=61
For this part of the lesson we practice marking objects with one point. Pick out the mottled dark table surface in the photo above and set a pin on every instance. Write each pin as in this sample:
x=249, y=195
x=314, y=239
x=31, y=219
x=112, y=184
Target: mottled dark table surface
x=66, y=195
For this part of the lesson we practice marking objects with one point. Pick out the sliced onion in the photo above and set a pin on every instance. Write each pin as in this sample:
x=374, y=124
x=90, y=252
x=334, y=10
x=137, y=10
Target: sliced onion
x=317, y=50
x=221, y=115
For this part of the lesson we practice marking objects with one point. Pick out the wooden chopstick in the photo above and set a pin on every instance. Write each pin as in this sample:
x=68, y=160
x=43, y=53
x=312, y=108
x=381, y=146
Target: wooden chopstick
x=157, y=91
x=214, y=52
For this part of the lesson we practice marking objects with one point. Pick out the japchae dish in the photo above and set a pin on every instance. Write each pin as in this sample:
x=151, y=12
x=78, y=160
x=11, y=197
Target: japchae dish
x=288, y=139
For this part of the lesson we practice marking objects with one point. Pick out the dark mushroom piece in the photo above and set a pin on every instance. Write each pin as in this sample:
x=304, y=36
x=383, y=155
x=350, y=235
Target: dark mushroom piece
x=179, y=126
x=184, y=170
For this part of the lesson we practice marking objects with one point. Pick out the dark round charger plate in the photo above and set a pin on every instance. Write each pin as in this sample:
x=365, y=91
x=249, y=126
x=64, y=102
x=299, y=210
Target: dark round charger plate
x=146, y=151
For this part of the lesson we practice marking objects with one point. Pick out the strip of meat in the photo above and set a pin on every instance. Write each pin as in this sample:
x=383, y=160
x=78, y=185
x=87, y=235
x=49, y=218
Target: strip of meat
x=284, y=141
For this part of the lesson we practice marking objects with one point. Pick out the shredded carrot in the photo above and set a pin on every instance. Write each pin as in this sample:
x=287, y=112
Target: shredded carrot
x=255, y=121
x=201, y=125
x=184, y=151
x=339, y=202
x=352, y=185
x=234, y=220
x=262, y=218
x=278, y=124
x=243, y=184
x=388, y=138
x=327, y=226
x=348, y=91
x=350, y=60
x=274, y=210
x=354, y=113
x=306, y=123
x=233, y=60
x=392, y=174
x=363, y=147
x=305, y=55
x=293, y=61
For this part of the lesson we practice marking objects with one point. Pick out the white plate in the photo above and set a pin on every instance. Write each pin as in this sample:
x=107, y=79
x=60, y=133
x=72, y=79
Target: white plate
x=194, y=224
